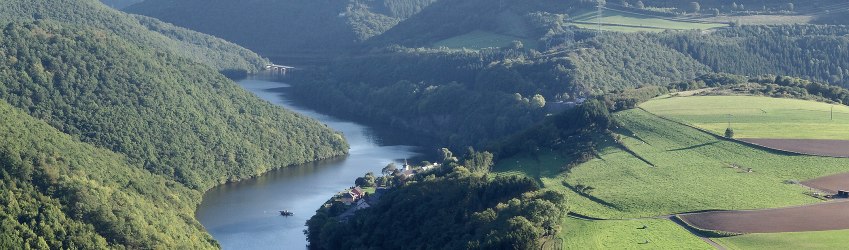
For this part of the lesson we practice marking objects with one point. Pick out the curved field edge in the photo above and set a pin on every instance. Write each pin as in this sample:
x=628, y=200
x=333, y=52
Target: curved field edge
x=756, y=116
x=836, y=239
x=630, y=234
x=695, y=172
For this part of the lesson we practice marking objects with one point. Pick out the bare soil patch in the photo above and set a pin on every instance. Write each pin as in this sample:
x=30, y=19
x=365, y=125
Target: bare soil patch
x=831, y=183
x=831, y=148
x=818, y=217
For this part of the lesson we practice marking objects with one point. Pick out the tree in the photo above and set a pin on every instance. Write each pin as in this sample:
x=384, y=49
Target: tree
x=447, y=155
x=715, y=12
x=538, y=101
x=790, y=6
x=734, y=6
x=641, y=5
x=695, y=7
x=729, y=133
x=389, y=169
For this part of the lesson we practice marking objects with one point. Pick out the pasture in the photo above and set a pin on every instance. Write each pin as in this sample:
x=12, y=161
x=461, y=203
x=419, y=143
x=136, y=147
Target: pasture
x=662, y=167
x=480, y=39
x=628, y=234
x=788, y=241
x=757, y=117
x=613, y=20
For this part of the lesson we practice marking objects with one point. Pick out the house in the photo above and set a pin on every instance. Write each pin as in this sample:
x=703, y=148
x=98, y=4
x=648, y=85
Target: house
x=347, y=198
x=357, y=193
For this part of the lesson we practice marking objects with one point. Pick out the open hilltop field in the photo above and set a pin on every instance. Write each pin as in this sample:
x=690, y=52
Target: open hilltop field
x=807, y=127
x=623, y=21
x=651, y=167
x=757, y=117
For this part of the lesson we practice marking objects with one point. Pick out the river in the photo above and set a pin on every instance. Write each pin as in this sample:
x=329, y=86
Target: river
x=244, y=215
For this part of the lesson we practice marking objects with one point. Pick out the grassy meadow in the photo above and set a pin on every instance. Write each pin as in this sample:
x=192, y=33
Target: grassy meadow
x=612, y=20
x=628, y=234
x=757, y=117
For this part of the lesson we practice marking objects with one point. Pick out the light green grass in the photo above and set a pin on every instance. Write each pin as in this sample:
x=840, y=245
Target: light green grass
x=757, y=117
x=538, y=165
x=479, y=39
x=625, y=22
x=692, y=173
x=628, y=234
x=838, y=239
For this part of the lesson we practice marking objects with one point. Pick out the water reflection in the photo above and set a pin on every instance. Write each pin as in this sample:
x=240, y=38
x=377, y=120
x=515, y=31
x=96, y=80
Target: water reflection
x=244, y=215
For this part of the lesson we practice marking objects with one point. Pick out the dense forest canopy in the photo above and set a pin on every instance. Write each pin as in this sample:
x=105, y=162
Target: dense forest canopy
x=139, y=30
x=178, y=118
x=286, y=29
x=458, y=206
x=120, y=4
x=57, y=192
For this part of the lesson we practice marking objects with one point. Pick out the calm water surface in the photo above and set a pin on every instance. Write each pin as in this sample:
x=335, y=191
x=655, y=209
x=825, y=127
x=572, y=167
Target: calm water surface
x=244, y=215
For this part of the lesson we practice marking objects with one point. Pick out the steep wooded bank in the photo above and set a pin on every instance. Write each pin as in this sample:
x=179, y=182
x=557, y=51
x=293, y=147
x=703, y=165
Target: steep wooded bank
x=141, y=31
x=109, y=144
x=60, y=193
x=469, y=97
x=177, y=118
x=286, y=29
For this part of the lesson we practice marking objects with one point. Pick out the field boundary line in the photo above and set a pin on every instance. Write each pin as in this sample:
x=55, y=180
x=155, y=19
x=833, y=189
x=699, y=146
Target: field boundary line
x=754, y=145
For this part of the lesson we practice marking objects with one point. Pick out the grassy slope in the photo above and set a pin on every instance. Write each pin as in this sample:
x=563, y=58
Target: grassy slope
x=124, y=204
x=612, y=20
x=628, y=234
x=692, y=172
x=757, y=117
x=778, y=241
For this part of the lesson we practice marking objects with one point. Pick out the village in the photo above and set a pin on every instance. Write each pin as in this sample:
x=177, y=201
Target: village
x=368, y=190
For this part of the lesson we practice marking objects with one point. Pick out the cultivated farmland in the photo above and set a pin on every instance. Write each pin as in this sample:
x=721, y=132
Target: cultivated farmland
x=788, y=241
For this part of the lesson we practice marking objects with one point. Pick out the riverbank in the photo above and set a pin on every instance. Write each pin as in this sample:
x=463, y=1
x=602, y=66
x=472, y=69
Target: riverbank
x=244, y=215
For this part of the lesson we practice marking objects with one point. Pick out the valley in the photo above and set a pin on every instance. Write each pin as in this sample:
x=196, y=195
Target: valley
x=424, y=124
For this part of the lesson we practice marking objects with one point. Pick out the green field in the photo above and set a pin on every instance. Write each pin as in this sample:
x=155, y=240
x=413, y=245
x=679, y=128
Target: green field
x=479, y=39
x=757, y=117
x=660, y=167
x=684, y=170
x=692, y=171
x=838, y=239
x=628, y=234
x=612, y=20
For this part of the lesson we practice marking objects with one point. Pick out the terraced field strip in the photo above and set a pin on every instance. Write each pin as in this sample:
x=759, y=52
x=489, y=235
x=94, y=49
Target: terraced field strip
x=818, y=217
x=831, y=183
x=830, y=148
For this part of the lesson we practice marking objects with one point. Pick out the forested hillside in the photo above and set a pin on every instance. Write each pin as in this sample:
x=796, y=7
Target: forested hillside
x=120, y=4
x=815, y=52
x=458, y=206
x=177, y=118
x=285, y=29
x=141, y=31
x=59, y=193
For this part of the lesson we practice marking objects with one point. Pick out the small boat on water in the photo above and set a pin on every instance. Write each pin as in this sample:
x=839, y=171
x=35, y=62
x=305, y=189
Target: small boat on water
x=286, y=213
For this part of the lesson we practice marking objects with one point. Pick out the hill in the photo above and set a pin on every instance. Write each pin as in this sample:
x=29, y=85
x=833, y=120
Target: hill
x=60, y=193
x=141, y=31
x=647, y=167
x=120, y=4
x=286, y=29
x=178, y=118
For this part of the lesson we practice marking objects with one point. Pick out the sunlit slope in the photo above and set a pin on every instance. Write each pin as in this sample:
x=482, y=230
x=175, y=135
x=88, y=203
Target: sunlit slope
x=757, y=117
